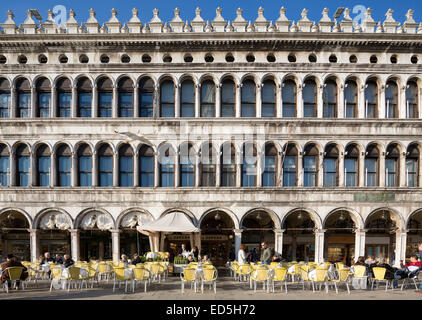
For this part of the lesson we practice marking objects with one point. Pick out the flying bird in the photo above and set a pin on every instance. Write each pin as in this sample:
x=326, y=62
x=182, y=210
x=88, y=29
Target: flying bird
x=133, y=136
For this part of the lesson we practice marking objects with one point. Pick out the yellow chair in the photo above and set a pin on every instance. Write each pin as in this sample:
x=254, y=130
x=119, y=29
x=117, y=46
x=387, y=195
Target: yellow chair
x=156, y=270
x=14, y=276
x=274, y=265
x=304, y=276
x=209, y=276
x=234, y=269
x=343, y=277
x=279, y=275
x=193, y=265
x=165, y=265
x=244, y=272
x=379, y=276
x=91, y=276
x=188, y=275
x=295, y=275
x=56, y=273
x=359, y=271
x=260, y=275
x=320, y=278
x=140, y=274
x=104, y=270
x=119, y=276
x=74, y=277
x=339, y=265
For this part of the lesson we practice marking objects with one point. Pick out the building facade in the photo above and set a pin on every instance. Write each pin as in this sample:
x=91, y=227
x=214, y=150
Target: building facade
x=304, y=135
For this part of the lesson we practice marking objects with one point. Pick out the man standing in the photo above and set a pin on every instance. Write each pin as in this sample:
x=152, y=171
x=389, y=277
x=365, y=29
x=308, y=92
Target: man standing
x=265, y=254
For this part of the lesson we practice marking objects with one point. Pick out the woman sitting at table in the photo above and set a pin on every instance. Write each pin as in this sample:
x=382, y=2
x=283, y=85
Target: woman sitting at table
x=67, y=261
x=205, y=259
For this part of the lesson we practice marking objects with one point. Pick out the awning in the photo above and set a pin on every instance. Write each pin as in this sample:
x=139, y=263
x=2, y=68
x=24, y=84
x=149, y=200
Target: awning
x=171, y=222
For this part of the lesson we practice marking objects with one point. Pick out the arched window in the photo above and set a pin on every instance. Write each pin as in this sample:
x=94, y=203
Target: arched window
x=167, y=99
x=187, y=166
x=64, y=166
x=64, y=97
x=309, y=99
x=351, y=166
x=269, y=175
x=228, y=166
x=329, y=100
x=22, y=164
x=207, y=166
x=268, y=99
x=247, y=107
x=84, y=98
x=371, y=166
x=105, y=98
x=166, y=158
x=249, y=169
x=391, y=99
x=125, y=87
x=105, y=165
x=4, y=166
x=23, y=90
x=187, y=103
x=146, y=166
x=4, y=98
x=290, y=166
x=412, y=100
x=227, y=98
x=43, y=97
x=43, y=166
x=371, y=99
x=392, y=157
x=310, y=166
x=350, y=99
x=289, y=99
x=331, y=166
x=412, y=166
x=207, y=99
x=146, y=98
x=126, y=166
x=85, y=166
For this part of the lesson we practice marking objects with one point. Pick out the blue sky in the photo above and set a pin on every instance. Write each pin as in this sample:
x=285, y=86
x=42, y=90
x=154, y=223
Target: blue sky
x=187, y=8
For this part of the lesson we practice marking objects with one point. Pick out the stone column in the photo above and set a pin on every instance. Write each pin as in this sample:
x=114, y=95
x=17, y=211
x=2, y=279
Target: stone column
x=402, y=105
x=381, y=103
x=402, y=169
x=300, y=169
x=319, y=245
x=320, y=173
x=278, y=243
x=341, y=176
x=53, y=102
x=361, y=168
x=278, y=101
x=94, y=107
x=299, y=102
x=136, y=168
x=136, y=100
x=382, y=180
x=259, y=168
x=177, y=169
x=419, y=177
x=75, y=244
x=34, y=102
x=115, y=243
x=361, y=102
x=359, y=243
x=74, y=102
x=258, y=100
x=238, y=99
x=320, y=101
x=237, y=241
x=218, y=100
x=53, y=169
x=239, y=159
x=341, y=113
x=401, y=238
x=156, y=171
x=197, y=172
x=12, y=168
x=156, y=102
x=115, y=102
x=32, y=169
x=177, y=101
x=94, y=168
x=13, y=102
x=74, y=170
x=116, y=169
x=34, y=244
x=197, y=100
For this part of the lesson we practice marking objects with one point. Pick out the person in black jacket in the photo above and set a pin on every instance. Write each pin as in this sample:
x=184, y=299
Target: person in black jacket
x=136, y=259
x=59, y=259
x=380, y=263
x=47, y=258
x=67, y=261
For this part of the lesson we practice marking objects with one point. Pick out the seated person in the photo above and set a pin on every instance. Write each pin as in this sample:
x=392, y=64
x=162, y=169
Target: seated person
x=361, y=262
x=409, y=270
x=370, y=260
x=136, y=259
x=124, y=259
x=380, y=263
x=47, y=259
x=12, y=262
x=205, y=259
x=275, y=258
x=67, y=261
x=190, y=259
x=59, y=259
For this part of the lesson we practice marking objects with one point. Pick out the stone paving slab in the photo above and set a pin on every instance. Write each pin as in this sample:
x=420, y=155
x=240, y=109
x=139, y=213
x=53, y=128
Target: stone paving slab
x=227, y=289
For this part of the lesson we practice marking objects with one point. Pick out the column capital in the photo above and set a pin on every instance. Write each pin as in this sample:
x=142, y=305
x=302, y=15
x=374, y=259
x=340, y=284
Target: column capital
x=279, y=231
x=74, y=231
x=321, y=231
x=360, y=230
x=237, y=230
x=115, y=231
x=33, y=231
x=403, y=231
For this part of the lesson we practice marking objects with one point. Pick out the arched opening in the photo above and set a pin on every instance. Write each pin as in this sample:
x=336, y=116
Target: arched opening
x=289, y=164
x=126, y=166
x=207, y=166
x=329, y=99
x=351, y=99
x=105, y=166
x=299, y=238
x=125, y=89
x=412, y=165
x=289, y=99
x=331, y=166
x=391, y=99
x=208, y=99
x=372, y=166
x=23, y=91
x=84, y=97
x=14, y=235
x=380, y=237
x=217, y=238
x=249, y=165
x=63, y=166
x=167, y=99
x=43, y=166
x=392, y=165
x=268, y=99
x=309, y=93
x=258, y=227
x=339, y=237
x=4, y=98
x=146, y=98
x=228, y=94
x=412, y=100
x=64, y=97
x=247, y=107
x=146, y=166
x=310, y=165
x=95, y=236
x=4, y=166
x=371, y=99
x=84, y=166
x=43, y=98
x=269, y=174
x=228, y=165
x=187, y=159
x=132, y=241
x=414, y=234
x=22, y=163
x=167, y=162
x=351, y=166
x=54, y=233
x=187, y=99
x=105, y=97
